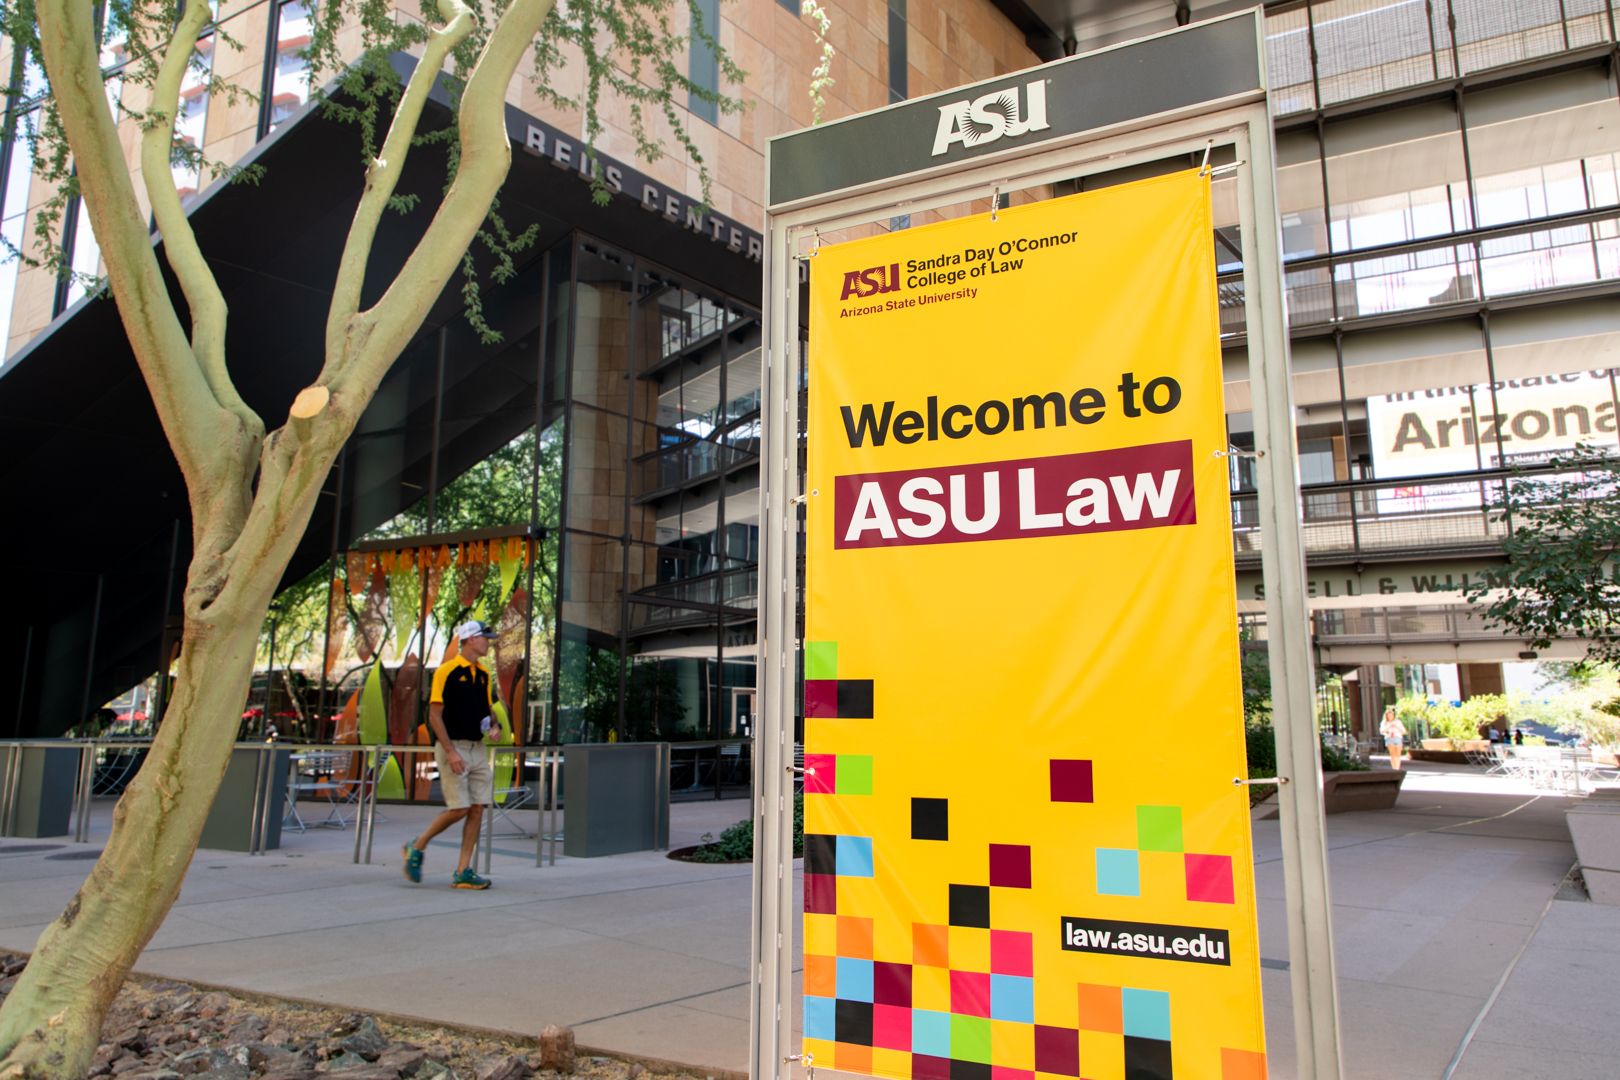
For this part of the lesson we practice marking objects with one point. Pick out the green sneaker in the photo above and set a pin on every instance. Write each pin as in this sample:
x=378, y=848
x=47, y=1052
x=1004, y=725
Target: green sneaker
x=468, y=879
x=413, y=864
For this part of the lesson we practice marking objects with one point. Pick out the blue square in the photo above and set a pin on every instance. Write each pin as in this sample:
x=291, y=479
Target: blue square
x=931, y=1033
x=1116, y=872
x=1146, y=1013
x=854, y=856
x=1012, y=997
x=820, y=1018
x=854, y=979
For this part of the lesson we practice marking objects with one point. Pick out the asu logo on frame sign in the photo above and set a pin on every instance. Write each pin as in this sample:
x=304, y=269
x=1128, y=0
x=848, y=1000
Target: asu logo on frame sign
x=1024, y=854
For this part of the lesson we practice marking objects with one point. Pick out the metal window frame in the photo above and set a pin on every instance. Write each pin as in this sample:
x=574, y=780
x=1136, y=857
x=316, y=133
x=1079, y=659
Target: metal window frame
x=1242, y=123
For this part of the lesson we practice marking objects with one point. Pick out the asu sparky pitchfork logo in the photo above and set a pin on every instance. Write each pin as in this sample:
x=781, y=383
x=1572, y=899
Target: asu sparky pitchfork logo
x=986, y=119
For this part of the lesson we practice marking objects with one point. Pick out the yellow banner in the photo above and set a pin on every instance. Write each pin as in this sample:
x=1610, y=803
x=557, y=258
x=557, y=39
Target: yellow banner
x=1024, y=850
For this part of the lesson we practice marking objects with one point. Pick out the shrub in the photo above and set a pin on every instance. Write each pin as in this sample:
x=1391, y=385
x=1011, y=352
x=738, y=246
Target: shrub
x=736, y=844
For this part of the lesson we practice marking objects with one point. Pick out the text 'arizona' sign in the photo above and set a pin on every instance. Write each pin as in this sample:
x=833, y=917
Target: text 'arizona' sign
x=1024, y=854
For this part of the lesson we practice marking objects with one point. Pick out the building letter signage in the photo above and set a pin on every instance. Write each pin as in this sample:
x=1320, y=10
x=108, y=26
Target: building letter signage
x=986, y=119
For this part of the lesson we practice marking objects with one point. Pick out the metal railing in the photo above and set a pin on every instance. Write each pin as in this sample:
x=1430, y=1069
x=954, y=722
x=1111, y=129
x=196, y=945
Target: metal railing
x=1508, y=260
x=546, y=760
x=1325, y=53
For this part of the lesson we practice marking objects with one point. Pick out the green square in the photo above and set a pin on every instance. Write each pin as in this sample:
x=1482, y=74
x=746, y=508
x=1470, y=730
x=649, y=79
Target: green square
x=821, y=659
x=970, y=1038
x=1158, y=828
x=854, y=774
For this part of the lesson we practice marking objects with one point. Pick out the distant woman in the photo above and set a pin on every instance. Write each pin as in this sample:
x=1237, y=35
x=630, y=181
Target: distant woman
x=1394, y=733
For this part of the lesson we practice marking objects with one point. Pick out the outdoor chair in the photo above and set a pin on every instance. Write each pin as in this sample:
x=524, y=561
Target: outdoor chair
x=513, y=798
x=316, y=775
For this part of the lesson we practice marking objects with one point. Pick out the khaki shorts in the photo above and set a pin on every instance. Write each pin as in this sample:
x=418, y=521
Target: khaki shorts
x=476, y=786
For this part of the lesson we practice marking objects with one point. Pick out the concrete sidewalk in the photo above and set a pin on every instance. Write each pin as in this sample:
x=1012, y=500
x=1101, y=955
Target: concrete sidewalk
x=1434, y=902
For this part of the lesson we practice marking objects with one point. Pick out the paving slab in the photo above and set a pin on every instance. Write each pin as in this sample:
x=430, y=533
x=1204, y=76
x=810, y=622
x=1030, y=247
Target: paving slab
x=1433, y=901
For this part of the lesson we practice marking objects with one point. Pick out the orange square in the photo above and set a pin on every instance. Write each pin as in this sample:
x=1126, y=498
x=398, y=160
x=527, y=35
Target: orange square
x=1242, y=1065
x=1100, y=1008
x=930, y=946
x=821, y=976
x=854, y=938
x=847, y=1057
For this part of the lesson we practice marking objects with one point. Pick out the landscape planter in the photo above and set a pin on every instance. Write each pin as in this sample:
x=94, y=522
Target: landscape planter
x=1444, y=750
x=1594, y=826
x=1344, y=792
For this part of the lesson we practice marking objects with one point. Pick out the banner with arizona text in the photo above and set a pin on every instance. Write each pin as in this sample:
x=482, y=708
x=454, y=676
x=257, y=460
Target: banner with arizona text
x=1024, y=853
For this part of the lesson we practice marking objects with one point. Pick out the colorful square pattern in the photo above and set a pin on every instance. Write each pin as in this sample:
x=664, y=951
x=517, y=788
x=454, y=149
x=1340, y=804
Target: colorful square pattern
x=965, y=996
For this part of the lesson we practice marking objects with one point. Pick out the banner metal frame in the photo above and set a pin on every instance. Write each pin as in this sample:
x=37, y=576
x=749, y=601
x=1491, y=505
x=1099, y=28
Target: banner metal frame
x=1243, y=124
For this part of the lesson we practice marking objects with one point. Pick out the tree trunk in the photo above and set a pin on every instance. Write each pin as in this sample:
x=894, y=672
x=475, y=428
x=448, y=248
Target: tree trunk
x=50, y=1023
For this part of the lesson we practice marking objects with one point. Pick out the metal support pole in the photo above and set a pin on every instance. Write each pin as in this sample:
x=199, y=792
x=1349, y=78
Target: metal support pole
x=551, y=839
x=360, y=811
x=256, y=820
x=90, y=653
x=1303, y=828
x=772, y=915
x=8, y=797
x=371, y=812
x=540, y=808
x=489, y=815
x=270, y=807
x=87, y=769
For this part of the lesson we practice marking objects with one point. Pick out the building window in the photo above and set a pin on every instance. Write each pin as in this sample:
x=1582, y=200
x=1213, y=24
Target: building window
x=287, y=77
x=705, y=71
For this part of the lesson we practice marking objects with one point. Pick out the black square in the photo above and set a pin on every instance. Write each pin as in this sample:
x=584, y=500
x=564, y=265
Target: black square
x=820, y=854
x=855, y=699
x=852, y=1022
x=1146, y=1059
x=969, y=1070
x=930, y=819
x=970, y=905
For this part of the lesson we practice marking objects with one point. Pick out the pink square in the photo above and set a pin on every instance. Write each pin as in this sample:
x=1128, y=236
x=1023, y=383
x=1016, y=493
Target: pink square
x=1071, y=777
x=821, y=697
x=1009, y=866
x=1012, y=952
x=970, y=993
x=1209, y=878
x=1002, y=1072
x=891, y=1027
x=820, y=774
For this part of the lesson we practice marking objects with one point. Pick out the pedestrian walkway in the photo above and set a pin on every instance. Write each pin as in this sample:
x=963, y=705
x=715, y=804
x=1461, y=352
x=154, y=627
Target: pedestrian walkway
x=1434, y=903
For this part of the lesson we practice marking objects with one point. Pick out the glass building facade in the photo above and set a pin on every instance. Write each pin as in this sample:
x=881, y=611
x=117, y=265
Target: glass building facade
x=589, y=489
x=1447, y=176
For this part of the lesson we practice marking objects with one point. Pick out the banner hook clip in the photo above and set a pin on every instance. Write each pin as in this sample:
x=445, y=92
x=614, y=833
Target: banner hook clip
x=995, y=200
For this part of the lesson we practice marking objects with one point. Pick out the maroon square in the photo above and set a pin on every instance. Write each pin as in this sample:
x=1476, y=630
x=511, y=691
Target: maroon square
x=1071, y=777
x=925, y=1067
x=1009, y=866
x=891, y=984
x=821, y=697
x=820, y=894
x=970, y=993
x=1057, y=1050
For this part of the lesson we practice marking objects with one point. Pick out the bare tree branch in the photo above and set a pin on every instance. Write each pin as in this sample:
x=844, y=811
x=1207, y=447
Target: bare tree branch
x=486, y=155
x=383, y=173
x=194, y=421
x=203, y=296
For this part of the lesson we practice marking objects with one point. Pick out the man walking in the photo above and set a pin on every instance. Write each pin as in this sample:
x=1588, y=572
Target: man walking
x=461, y=711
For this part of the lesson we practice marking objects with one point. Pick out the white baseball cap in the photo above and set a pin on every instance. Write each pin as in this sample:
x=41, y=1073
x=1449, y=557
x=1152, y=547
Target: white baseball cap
x=473, y=628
